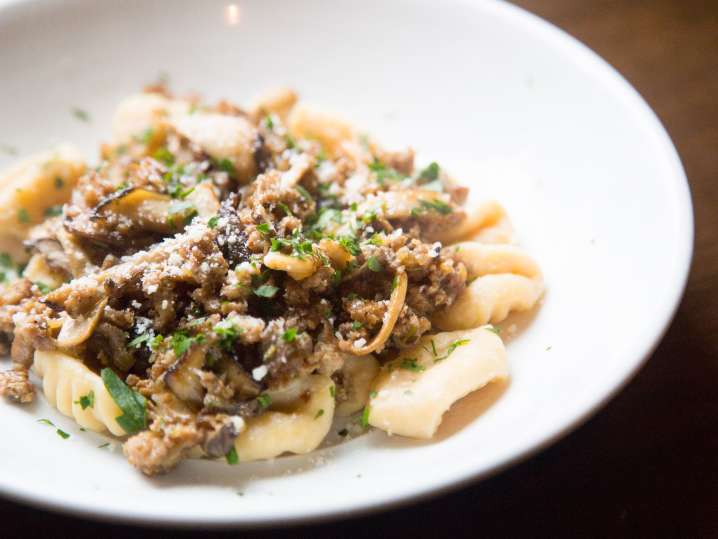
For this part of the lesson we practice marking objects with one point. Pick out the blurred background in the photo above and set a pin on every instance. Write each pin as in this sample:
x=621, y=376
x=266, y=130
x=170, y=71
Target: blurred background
x=647, y=465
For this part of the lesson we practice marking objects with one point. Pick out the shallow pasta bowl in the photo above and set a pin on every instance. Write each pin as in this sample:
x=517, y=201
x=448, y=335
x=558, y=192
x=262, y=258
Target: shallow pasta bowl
x=513, y=107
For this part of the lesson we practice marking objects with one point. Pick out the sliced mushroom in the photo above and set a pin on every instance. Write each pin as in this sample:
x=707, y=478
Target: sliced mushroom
x=77, y=330
x=182, y=377
x=150, y=210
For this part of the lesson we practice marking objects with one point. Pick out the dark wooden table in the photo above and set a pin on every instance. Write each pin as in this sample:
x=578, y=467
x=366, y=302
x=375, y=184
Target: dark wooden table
x=647, y=465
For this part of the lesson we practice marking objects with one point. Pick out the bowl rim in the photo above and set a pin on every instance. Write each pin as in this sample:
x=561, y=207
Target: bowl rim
x=620, y=88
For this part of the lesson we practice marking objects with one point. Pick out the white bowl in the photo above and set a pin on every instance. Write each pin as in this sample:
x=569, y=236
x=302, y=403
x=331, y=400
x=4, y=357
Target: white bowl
x=512, y=106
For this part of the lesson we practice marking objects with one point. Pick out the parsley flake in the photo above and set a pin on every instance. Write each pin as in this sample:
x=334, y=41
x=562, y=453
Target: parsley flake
x=132, y=404
x=410, y=364
x=373, y=264
x=290, y=335
x=212, y=221
x=80, y=114
x=266, y=291
x=232, y=457
x=23, y=216
x=319, y=413
x=264, y=400
x=86, y=401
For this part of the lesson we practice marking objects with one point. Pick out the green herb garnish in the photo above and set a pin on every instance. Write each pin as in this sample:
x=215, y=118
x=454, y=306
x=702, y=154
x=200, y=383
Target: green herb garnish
x=86, y=401
x=264, y=400
x=80, y=114
x=132, y=404
x=263, y=228
x=373, y=264
x=319, y=413
x=181, y=342
x=430, y=173
x=163, y=155
x=212, y=221
x=53, y=211
x=266, y=291
x=231, y=456
x=23, y=216
x=289, y=335
x=44, y=288
x=410, y=364
x=305, y=194
x=357, y=325
x=228, y=333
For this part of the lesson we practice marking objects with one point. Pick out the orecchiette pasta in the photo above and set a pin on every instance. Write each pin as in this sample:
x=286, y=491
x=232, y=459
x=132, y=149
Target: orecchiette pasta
x=505, y=279
x=297, y=428
x=65, y=380
x=412, y=392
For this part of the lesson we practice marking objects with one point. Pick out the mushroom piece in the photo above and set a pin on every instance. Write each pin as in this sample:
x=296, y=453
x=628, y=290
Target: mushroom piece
x=182, y=377
x=149, y=210
x=77, y=330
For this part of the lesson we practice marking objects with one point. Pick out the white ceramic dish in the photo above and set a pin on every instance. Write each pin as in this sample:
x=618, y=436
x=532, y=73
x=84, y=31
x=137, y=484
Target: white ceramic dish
x=514, y=107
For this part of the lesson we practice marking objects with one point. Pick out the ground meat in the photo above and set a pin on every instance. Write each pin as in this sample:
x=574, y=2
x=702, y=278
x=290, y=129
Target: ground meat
x=15, y=385
x=155, y=453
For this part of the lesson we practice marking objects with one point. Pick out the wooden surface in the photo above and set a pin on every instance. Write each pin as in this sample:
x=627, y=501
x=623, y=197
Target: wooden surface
x=647, y=465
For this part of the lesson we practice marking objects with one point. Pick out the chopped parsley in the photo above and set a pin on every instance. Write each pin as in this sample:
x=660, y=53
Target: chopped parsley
x=305, y=194
x=266, y=291
x=23, y=216
x=364, y=419
x=436, y=205
x=80, y=114
x=264, y=400
x=59, y=183
x=285, y=208
x=231, y=456
x=357, y=325
x=228, y=333
x=61, y=433
x=146, y=136
x=225, y=165
x=44, y=288
x=132, y=404
x=290, y=335
x=268, y=122
x=373, y=264
x=163, y=155
x=86, y=401
x=212, y=221
x=350, y=244
x=451, y=348
x=385, y=173
x=319, y=413
x=53, y=211
x=181, y=342
x=139, y=340
x=372, y=394
x=332, y=391
x=410, y=364
x=264, y=228
x=430, y=173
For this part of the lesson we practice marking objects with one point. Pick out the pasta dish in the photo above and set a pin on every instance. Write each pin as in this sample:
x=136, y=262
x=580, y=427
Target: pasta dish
x=229, y=280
